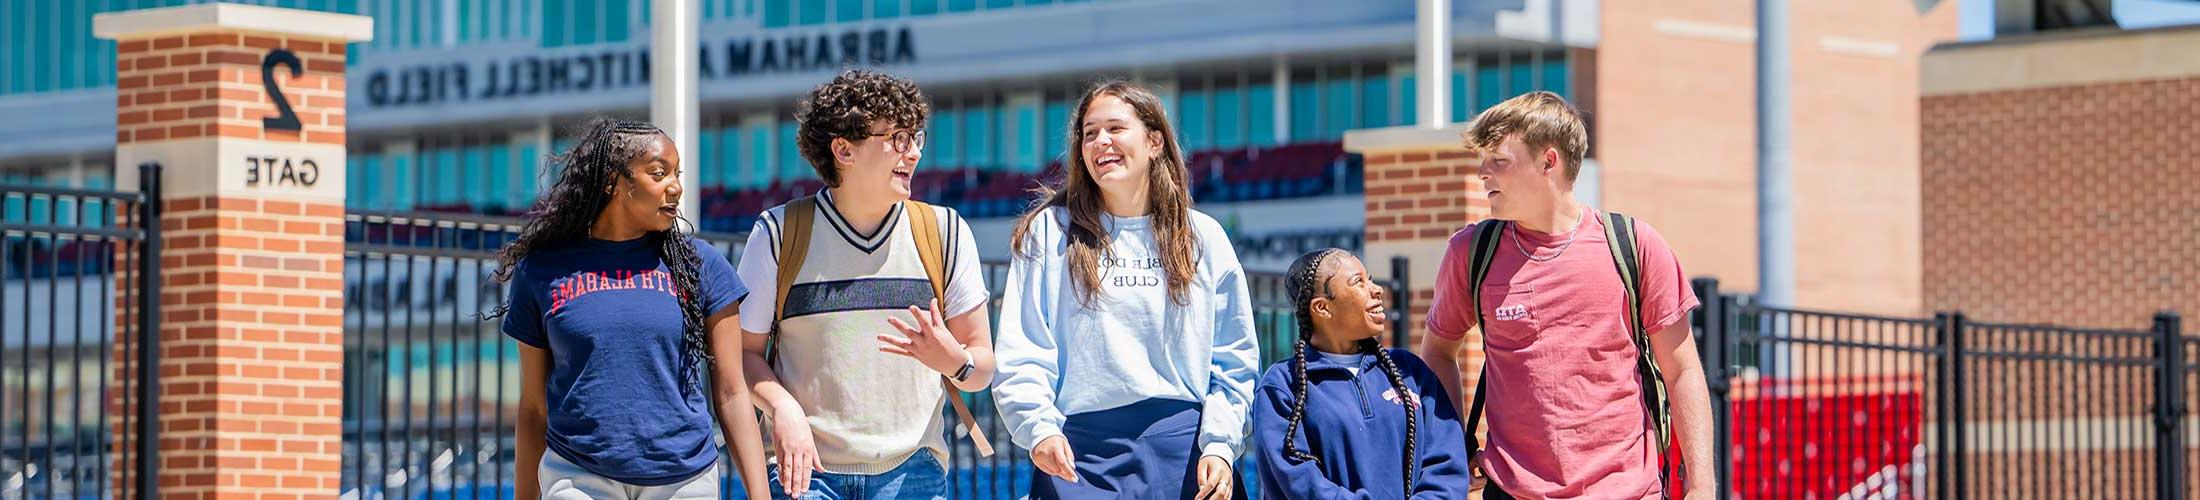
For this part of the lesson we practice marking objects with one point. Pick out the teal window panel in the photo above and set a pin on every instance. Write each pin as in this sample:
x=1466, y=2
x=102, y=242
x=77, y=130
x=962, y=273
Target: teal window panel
x=1409, y=100
x=587, y=27
x=355, y=180
x=469, y=15
x=1305, y=111
x=778, y=13
x=424, y=27
x=942, y=140
x=813, y=12
x=531, y=177
x=729, y=156
x=1489, y=87
x=16, y=50
x=1229, y=117
x=401, y=168
x=1341, y=114
x=500, y=167
x=1193, y=116
x=791, y=164
x=40, y=47
x=477, y=160
x=1557, y=77
x=1520, y=79
x=1375, y=94
x=848, y=10
x=618, y=21
x=979, y=124
x=453, y=186
x=722, y=153
x=370, y=178
x=760, y=140
x=1055, y=131
x=1461, y=103
x=71, y=39
x=704, y=161
x=1028, y=139
x=1260, y=115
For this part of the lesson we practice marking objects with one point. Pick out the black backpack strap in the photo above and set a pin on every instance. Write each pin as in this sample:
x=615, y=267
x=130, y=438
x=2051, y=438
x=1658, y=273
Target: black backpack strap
x=1486, y=235
x=1619, y=231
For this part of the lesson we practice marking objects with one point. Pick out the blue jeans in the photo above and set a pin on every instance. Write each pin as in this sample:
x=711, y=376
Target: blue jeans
x=921, y=476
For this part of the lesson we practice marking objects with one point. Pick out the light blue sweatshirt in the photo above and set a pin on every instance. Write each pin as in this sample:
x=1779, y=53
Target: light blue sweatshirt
x=1059, y=357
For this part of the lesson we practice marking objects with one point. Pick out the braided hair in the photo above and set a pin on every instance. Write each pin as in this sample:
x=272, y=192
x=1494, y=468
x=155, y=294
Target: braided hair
x=562, y=216
x=1307, y=281
x=1405, y=396
x=1303, y=276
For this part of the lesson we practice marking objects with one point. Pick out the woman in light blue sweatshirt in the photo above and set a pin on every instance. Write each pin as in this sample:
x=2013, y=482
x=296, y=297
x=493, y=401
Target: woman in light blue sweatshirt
x=1126, y=346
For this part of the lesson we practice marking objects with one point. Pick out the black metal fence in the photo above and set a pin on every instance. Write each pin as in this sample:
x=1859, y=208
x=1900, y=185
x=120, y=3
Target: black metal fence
x=1819, y=404
x=1807, y=403
x=65, y=251
x=429, y=387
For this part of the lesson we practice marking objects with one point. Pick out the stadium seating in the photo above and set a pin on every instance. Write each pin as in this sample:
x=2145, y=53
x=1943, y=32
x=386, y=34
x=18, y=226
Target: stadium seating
x=1217, y=176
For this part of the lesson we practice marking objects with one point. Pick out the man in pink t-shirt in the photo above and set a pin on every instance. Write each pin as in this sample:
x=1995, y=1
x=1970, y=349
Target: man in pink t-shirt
x=1564, y=408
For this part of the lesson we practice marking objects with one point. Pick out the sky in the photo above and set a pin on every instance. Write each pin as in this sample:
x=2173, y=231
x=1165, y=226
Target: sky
x=1978, y=15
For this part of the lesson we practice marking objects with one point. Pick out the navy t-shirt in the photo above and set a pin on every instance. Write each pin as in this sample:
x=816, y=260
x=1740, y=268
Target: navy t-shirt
x=607, y=312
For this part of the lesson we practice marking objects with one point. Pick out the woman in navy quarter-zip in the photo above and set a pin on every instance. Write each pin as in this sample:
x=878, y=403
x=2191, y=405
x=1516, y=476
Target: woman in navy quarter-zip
x=1345, y=418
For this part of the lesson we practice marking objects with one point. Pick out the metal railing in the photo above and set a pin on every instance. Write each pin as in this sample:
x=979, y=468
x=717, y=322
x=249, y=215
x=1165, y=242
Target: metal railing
x=1814, y=403
x=429, y=387
x=64, y=261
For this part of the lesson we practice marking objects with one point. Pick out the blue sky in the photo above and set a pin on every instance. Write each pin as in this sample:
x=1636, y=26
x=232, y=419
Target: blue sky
x=1978, y=15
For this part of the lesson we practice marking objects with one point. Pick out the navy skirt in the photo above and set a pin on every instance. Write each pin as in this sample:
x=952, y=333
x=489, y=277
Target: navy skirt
x=1148, y=449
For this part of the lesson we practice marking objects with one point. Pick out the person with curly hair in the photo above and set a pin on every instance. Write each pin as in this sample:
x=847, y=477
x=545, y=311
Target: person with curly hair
x=1327, y=419
x=620, y=314
x=1127, y=347
x=854, y=412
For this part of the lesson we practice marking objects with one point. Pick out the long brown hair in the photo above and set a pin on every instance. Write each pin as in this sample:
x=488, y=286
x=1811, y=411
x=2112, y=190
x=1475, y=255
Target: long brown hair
x=1168, y=200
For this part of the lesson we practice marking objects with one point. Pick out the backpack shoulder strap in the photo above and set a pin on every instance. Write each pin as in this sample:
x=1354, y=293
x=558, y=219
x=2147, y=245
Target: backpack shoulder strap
x=1486, y=234
x=924, y=230
x=794, y=247
x=1619, y=232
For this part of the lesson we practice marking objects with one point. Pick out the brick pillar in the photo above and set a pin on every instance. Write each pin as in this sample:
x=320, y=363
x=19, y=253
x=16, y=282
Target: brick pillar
x=251, y=304
x=1420, y=189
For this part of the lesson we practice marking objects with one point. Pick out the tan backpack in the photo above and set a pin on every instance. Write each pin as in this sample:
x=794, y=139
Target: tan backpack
x=924, y=226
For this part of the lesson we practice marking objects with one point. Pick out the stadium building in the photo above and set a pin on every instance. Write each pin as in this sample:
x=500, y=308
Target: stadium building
x=454, y=104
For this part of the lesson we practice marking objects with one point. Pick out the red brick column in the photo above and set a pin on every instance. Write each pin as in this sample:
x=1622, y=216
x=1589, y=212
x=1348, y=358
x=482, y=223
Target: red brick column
x=251, y=304
x=1420, y=189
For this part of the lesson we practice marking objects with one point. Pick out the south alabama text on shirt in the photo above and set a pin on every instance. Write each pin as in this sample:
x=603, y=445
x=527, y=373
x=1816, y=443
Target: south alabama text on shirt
x=580, y=283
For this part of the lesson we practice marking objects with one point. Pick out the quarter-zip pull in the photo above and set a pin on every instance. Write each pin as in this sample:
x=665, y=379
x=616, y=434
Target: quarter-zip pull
x=1367, y=411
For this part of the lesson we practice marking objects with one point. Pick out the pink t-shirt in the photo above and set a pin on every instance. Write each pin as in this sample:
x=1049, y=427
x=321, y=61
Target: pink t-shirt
x=1564, y=409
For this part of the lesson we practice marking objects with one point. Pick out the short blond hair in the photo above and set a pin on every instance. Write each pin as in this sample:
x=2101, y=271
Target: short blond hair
x=1542, y=119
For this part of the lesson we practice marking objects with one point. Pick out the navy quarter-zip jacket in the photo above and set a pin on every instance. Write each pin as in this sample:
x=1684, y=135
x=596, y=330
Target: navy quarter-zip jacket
x=1356, y=426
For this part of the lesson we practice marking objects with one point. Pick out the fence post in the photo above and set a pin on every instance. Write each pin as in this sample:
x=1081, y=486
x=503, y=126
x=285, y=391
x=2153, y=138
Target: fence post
x=147, y=464
x=1961, y=419
x=1950, y=421
x=1943, y=412
x=1400, y=329
x=1712, y=346
x=2169, y=406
